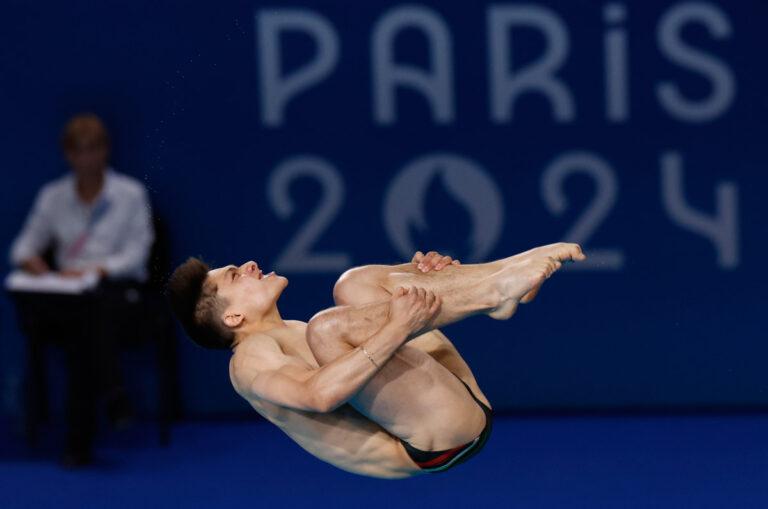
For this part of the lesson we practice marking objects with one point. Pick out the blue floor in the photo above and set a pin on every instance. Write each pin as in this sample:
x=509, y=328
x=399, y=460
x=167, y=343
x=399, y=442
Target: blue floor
x=579, y=462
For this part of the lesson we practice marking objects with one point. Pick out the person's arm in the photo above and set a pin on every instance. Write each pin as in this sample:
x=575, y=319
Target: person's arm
x=34, y=236
x=136, y=243
x=327, y=388
x=332, y=385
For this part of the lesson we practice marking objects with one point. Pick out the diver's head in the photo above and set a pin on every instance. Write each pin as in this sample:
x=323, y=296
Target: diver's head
x=218, y=307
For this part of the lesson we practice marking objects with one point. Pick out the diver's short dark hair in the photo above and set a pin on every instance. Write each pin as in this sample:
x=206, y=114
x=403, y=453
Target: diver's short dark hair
x=197, y=305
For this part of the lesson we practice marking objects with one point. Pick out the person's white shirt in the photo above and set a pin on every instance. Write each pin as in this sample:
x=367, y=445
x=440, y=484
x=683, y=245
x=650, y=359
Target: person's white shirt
x=114, y=232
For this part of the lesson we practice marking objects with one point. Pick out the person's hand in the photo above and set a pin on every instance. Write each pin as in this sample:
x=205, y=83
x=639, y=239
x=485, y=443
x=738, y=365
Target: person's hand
x=71, y=273
x=35, y=265
x=412, y=309
x=100, y=271
x=432, y=260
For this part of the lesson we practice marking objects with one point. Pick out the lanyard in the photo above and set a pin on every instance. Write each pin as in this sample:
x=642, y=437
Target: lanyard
x=100, y=208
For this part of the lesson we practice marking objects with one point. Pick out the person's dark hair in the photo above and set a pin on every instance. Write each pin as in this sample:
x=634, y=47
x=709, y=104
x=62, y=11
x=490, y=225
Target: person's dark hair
x=197, y=305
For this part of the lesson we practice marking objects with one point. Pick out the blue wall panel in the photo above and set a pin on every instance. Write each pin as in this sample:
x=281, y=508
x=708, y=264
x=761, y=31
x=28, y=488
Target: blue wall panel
x=647, y=147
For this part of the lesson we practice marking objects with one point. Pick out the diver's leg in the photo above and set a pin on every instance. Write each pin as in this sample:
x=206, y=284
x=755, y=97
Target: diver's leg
x=413, y=396
x=373, y=283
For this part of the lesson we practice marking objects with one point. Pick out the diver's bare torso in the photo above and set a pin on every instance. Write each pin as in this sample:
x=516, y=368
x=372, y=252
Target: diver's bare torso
x=343, y=437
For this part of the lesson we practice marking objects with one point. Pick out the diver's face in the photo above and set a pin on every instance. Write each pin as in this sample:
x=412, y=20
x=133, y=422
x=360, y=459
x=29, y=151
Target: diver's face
x=247, y=289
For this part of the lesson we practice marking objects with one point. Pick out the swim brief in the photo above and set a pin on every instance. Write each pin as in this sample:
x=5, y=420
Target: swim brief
x=439, y=461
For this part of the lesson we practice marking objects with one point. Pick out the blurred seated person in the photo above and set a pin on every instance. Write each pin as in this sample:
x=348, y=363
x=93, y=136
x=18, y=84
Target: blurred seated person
x=94, y=219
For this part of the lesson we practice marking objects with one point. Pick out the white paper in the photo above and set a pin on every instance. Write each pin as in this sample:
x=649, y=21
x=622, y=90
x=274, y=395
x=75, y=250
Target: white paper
x=20, y=281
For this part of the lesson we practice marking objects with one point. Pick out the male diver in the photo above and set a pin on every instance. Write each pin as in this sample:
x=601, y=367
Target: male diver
x=370, y=386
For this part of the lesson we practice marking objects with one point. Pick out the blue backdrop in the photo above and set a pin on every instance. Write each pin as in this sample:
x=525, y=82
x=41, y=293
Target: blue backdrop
x=314, y=136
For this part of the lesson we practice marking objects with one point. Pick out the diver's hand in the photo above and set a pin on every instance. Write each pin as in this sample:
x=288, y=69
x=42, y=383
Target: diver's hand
x=432, y=260
x=411, y=310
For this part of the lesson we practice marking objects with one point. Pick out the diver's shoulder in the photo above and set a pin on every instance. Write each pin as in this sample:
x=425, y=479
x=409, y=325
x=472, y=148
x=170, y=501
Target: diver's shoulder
x=296, y=325
x=248, y=358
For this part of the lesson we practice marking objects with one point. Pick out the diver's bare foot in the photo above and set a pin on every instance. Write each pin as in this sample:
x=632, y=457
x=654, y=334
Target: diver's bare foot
x=517, y=280
x=521, y=279
x=562, y=251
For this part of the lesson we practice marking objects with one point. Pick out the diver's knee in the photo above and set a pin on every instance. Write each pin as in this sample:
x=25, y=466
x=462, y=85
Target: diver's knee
x=355, y=284
x=323, y=333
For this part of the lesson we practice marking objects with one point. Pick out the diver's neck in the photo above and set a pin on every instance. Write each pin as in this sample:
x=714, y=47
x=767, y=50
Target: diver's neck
x=269, y=321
